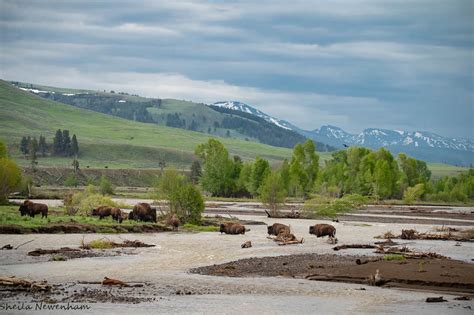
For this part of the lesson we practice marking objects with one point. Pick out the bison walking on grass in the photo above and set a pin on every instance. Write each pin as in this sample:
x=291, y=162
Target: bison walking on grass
x=321, y=230
x=232, y=228
x=31, y=208
x=277, y=228
x=105, y=211
x=143, y=212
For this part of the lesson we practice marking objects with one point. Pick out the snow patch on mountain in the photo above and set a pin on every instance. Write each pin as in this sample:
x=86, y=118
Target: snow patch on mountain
x=242, y=107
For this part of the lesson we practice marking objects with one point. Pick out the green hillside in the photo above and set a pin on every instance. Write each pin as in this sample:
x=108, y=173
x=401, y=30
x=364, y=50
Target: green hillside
x=106, y=140
x=187, y=115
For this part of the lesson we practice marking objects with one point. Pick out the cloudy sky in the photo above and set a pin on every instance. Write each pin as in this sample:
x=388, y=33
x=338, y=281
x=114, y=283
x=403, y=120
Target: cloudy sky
x=354, y=64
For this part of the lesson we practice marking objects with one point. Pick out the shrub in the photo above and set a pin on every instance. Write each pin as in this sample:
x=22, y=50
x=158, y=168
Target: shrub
x=272, y=192
x=71, y=181
x=83, y=202
x=10, y=178
x=99, y=243
x=413, y=194
x=392, y=257
x=106, y=187
x=327, y=207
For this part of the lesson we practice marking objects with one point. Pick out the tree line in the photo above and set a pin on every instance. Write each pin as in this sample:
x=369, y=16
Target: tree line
x=355, y=171
x=63, y=145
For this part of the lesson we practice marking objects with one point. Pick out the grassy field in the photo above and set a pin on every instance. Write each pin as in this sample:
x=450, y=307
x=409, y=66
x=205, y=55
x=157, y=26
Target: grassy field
x=106, y=140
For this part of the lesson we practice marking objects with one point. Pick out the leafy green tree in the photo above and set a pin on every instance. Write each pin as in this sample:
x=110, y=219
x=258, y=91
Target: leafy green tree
x=218, y=175
x=184, y=199
x=285, y=174
x=304, y=167
x=260, y=170
x=10, y=176
x=273, y=192
x=414, y=171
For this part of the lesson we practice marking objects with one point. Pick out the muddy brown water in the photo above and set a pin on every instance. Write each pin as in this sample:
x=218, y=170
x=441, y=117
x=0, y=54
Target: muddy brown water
x=166, y=267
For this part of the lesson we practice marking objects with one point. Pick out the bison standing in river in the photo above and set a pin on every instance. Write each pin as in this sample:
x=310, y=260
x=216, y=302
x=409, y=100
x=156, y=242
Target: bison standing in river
x=321, y=230
x=143, y=212
x=232, y=228
x=31, y=208
x=277, y=228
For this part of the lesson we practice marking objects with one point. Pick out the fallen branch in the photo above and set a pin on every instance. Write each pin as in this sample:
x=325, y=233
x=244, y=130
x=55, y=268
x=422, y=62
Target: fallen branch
x=39, y=252
x=291, y=242
x=435, y=299
x=110, y=281
x=24, y=284
x=24, y=244
x=336, y=248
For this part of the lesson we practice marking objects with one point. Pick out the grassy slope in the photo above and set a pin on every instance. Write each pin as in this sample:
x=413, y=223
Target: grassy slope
x=105, y=139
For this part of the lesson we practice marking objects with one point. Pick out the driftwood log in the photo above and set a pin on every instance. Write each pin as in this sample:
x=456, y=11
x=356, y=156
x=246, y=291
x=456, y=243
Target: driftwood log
x=24, y=284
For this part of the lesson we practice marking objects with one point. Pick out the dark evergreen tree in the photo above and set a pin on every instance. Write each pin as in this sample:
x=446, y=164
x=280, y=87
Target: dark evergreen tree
x=74, y=146
x=24, y=146
x=42, y=146
x=66, y=149
x=58, y=143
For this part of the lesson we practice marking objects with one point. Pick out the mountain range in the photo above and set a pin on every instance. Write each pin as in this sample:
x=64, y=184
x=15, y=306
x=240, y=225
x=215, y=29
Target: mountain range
x=420, y=144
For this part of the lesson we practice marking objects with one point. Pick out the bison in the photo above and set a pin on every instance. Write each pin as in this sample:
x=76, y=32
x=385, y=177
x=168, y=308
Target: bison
x=31, y=208
x=102, y=211
x=117, y=214
x=321, y=230
x=277, y=228
x=173, y=221
x=232, y=228
x=143, y=212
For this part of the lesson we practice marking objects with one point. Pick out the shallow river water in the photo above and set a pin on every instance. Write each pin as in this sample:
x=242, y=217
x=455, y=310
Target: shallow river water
x=167, y=265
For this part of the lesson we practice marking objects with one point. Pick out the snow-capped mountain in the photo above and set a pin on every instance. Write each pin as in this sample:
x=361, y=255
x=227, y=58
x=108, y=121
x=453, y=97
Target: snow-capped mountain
x=419, y=144
x=375, y=138
x=239, y=106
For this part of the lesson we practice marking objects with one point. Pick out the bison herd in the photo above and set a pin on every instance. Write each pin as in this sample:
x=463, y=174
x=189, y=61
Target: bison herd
x=144, y=212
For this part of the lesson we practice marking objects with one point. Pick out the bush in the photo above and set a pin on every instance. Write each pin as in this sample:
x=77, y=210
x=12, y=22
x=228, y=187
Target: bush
x=272, y=192
x=83, y=202
x=185, y=200
x=394, y=257
x=10, y=178
x=327, y=207
x=71, y=181
x=106, y=187
x=413, y=194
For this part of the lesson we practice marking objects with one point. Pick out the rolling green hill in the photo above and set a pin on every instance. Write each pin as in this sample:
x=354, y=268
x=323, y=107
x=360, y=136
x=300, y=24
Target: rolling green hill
x=173, y=113
x=107, y=140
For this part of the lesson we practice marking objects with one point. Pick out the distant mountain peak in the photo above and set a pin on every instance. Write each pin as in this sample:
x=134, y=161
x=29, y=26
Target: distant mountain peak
x=242, y=107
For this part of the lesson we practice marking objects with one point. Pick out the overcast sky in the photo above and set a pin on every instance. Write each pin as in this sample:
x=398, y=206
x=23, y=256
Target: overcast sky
x=354, y=64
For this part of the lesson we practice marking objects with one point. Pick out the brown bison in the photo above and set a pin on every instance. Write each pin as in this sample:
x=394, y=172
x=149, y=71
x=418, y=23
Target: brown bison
x=232, y=228
x=117, y=214
x=143, y=212
x=321, y=230
x=277, y=228
x=102, y=211
x=31, y=208
x=173, y=221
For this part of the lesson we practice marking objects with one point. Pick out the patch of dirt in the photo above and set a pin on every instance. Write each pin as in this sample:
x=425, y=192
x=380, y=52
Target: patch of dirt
x=427, y=274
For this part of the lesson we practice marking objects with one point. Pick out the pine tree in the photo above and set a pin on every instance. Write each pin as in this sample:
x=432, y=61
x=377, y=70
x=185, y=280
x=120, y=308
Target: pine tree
x=42, y=146
x=58, y=143
x=74, y=146
x=66, y=148
x=24, y=146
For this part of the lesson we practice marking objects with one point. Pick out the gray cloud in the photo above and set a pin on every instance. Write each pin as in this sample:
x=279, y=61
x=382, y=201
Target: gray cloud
x=356, y=65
